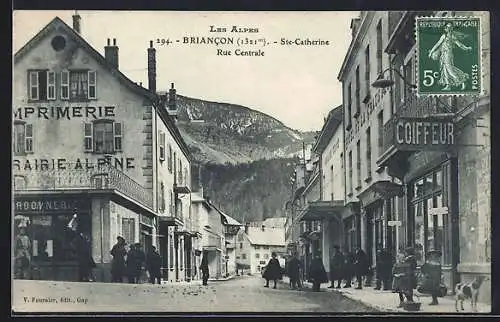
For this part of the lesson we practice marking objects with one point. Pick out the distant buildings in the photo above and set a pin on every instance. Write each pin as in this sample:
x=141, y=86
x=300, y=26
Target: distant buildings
x=256, y=243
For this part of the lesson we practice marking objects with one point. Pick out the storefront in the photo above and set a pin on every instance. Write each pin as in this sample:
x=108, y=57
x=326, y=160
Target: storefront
x=45, y=220
x=351, y=219
x=146, y=232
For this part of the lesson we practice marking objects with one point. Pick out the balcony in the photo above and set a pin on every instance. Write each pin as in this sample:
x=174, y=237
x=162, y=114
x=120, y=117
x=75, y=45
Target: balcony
x=172, y=217
x=102, y=178
x=180, y=185
x=428, y=107
x=214, y=242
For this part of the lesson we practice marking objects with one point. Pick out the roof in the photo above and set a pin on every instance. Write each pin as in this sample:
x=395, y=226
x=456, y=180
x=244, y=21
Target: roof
x=268, y=236
x=329, y=128
x=226, y=219
x=196, y=198
x=58, y=24
x=277, y=222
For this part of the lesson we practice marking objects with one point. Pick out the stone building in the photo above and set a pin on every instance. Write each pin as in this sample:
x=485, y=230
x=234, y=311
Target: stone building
x=89, y=141
x=447, y=199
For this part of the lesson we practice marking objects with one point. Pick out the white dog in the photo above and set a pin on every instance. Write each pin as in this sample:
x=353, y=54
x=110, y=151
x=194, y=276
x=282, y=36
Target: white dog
x=468, y=290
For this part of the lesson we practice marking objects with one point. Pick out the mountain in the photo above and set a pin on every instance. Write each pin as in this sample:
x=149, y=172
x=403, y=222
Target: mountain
x=246, y=157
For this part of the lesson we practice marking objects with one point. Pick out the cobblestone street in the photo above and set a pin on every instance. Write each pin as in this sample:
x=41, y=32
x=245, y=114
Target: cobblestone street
x=242, y=294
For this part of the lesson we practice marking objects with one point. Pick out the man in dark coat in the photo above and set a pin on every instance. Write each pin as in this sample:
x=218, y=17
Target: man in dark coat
x=360, y=267
x=348, y=269
x=336, y=267
x=85, y=261
x=404, y=273
x=317, y=272
x=140, y=260
x=131, y=264
x=293, y=271
x=153, y=265
x=204, y=268
x=383, y=268
x=272, y=270
x=118, y=263
x=431, y=272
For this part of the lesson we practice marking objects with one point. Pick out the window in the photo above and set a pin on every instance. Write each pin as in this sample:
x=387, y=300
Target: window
x=356, y=113
x=241, y=245
x=408, y=75
x=181, y=177
x=350, y=183
x=172, y=203
x=380, y=124
x=23, y=138
x=78, y=85
x=379, y=47
x=358, y=164
x=368, y=153
x=349, y=107
x=161, y=197
x=103, y=136
x=52, y=240
x=257, y=255
x=367, y=74
x=266, y=256
x=42, y=85
x=169, y=162
x=243, y=256
x=430, y=230
x=128, y=230
x=174, y=162
x=162, y=145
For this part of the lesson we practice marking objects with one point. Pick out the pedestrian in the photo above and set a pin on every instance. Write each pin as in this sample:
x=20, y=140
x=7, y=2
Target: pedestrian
x=23, y=256
x=336, y=267
x=85, y=261
x=204, y=268
x=293, y=271
x=361, y=267
x=153, y=265
x=404, y=279
x=272, y=270
x=317, y=272
x=431, y=272
x=348, y=269
x=140, y=263
x=118, y=263
x=383, y=268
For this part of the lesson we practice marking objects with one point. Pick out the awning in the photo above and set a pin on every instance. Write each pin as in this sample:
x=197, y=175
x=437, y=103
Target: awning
x=319, y=210
x=380, y=190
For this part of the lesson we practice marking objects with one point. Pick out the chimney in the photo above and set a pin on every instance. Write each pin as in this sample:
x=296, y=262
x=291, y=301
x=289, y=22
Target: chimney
x=77, y=22
x=172, y=104
x=111, y=53
x=355, y=26
x=151, y=67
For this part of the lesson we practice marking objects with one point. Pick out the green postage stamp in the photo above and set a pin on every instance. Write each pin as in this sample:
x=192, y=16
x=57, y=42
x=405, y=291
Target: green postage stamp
x=449, y=55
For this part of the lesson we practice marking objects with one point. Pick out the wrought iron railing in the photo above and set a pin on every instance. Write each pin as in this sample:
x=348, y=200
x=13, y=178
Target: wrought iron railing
x=416, y=107
x=100, y=177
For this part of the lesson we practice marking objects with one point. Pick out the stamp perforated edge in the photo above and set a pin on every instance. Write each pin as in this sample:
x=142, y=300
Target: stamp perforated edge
x=479, y=49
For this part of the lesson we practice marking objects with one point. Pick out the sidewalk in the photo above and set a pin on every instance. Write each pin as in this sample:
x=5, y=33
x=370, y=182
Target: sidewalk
x=386, y=301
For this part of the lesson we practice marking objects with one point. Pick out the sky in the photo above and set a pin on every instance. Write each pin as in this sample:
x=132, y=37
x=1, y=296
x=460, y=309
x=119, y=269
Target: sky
x=296, y=84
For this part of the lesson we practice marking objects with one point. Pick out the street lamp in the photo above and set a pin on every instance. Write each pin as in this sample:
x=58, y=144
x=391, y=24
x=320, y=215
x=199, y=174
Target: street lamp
x=381, y=82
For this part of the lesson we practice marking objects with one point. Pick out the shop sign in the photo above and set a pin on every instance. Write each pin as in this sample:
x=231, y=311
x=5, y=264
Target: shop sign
x=49, y=205
x=424, y=133
x=392, y=223
x=437, y=211
x=145, y=220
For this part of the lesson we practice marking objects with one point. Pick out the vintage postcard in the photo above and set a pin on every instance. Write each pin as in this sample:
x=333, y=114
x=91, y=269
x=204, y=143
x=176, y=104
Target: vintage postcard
x=251, y=162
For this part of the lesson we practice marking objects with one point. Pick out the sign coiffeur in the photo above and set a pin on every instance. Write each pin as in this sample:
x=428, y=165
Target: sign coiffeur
x=424, y=133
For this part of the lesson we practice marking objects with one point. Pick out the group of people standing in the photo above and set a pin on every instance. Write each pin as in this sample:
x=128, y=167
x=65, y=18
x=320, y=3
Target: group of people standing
x=132, y=262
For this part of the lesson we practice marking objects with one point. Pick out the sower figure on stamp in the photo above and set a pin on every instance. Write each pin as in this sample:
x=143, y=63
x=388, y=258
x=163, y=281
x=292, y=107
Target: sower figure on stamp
x=451, y=75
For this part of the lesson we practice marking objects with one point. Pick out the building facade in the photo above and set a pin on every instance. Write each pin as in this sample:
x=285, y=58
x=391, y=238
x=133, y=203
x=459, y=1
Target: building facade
x=370, y=192
x=78, y=123
x=447, y=200
x=231, y=229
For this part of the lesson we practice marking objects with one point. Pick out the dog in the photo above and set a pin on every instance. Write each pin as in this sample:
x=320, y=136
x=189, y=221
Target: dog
x=468, y=290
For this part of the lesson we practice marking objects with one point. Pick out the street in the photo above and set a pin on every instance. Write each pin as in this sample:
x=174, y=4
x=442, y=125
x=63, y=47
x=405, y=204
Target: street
x=241, y=294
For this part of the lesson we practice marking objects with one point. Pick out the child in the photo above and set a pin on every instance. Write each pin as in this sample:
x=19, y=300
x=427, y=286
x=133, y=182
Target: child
x=431, y=271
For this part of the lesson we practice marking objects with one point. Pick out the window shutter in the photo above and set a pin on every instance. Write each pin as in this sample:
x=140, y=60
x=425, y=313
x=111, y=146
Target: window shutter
x=28, y=144
x=88, y=137
x=92, y=84
x=65, y=85
x=51, y=85
x=117, y=135
x=170, y=158
x=33, y=85
x=162, y=145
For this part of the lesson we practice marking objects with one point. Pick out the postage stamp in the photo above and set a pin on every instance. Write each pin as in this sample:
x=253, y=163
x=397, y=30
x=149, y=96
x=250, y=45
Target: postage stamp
x=449, y=55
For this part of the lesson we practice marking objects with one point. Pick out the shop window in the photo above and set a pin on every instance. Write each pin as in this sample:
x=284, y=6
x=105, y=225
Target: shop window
x=128, y=230
x=103, y=136
x=23, y=138
x=52, y=240
x=77, y=85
